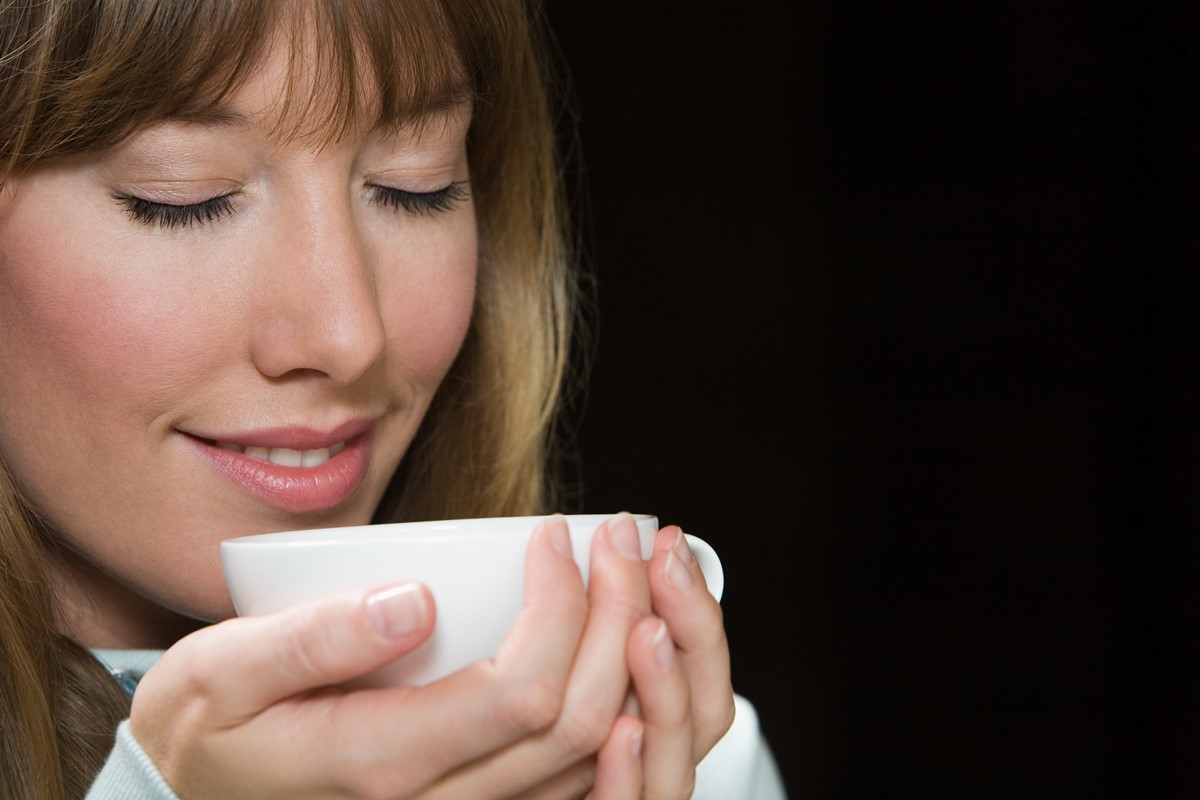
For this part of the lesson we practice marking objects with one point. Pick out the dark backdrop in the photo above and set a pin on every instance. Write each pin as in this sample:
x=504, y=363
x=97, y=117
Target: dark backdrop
x=898, y=309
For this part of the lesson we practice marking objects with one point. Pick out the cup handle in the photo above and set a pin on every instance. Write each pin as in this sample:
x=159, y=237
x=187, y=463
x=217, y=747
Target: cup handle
x=710, y=565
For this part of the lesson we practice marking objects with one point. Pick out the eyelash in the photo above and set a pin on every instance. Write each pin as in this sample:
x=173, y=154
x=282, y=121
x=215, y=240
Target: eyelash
x=434, y=202
x=166, y=215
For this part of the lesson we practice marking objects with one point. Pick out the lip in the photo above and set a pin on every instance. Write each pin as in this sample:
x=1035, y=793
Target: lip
x=295, y=489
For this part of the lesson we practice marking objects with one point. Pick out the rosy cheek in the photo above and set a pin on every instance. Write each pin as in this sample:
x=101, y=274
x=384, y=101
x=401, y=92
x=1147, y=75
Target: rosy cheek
x=86, y=327
x=436, y=337
x=427, y=313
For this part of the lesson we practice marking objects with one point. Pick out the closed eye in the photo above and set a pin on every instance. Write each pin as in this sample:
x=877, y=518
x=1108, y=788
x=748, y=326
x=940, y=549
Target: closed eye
x=444, y=199
x=167, y=215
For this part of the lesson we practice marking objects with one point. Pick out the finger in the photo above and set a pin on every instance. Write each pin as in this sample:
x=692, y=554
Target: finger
x=351, y=739
x=668, y=766
x=242, y=666
x=573, y=782
x=541, y=645
x=695, y=621
x=234, y=673
x=491, y=705
x=619, y=764
x=618, y=596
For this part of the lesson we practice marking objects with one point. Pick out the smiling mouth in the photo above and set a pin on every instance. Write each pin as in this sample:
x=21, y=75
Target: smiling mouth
x=318, y=472
x=282, y=456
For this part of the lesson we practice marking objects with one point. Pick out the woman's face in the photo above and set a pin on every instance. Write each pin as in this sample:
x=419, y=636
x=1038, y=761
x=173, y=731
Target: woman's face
x=215, y=330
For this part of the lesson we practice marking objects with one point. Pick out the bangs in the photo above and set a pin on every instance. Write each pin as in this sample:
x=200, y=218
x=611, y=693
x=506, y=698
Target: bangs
x=389, y=65
x=70, y=87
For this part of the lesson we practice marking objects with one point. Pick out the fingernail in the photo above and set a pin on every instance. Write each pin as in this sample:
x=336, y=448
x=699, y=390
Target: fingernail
x=664, y=648
x=397, y=611
x=677, y=574
x=681, y=547
x=635, y=743
x=560, y=538
x=623, y=534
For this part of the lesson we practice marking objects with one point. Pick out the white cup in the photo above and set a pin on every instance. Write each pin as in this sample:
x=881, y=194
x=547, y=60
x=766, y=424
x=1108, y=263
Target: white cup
x=475, y=569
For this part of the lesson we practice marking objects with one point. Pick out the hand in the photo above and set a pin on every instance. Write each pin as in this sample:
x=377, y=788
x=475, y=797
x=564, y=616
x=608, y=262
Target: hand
x=249, y=708
x=697, y=627
x=680, y=668
x=679, y=664
x=560, y=761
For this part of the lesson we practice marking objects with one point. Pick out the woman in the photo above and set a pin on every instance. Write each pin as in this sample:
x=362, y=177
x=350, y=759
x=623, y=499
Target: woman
x=274, y=265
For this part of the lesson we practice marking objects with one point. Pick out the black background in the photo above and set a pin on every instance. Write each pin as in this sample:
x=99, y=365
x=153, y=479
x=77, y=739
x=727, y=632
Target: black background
x=898, y=309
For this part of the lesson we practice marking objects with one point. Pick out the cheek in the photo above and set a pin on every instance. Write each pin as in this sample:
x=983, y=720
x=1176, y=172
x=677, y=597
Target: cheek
x=100, y=343
x=427, y=304
x=72, y=402
x=80, y=327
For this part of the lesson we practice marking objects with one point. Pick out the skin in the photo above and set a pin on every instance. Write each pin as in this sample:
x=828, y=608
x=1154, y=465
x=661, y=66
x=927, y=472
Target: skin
x=309, y=304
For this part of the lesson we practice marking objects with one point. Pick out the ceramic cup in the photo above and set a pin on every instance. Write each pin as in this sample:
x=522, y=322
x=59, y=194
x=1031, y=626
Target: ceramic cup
x=474, y=568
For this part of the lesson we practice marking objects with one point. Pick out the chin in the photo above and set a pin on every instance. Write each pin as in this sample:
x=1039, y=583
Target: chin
x=205, y=601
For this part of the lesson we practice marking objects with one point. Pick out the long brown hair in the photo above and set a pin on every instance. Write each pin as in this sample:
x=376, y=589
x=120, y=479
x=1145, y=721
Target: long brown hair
x=79, y=76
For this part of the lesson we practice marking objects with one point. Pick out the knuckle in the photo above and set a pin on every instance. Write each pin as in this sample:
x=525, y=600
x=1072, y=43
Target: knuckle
x=531, y=705
x=379, y=782
x=192, y=666
x=572, y=608
x=678, y=716
x=627, y=591
x=707, y=635
x=677, y=787
x=305, y=647
x=584, y=729
x=712, y=725
x=688, y=787
x=726, y=720
x=582, y=779
x=718, y=640
x=620, y=609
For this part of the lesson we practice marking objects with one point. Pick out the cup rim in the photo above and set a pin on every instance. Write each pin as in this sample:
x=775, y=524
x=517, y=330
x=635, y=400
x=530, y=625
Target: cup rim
x=419, y=530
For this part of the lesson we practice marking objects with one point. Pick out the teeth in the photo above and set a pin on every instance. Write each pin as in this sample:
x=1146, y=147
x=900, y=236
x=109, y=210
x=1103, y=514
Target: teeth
x=314, y=458
x=286, y=457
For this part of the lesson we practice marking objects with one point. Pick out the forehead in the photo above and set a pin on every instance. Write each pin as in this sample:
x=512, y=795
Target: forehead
x=285, y=97
x=305, y=83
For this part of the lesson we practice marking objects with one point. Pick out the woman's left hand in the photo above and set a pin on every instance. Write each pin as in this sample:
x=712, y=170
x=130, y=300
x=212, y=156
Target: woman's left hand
x=679, y=663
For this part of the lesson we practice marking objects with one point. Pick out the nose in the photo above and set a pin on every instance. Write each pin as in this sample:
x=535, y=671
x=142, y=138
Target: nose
x=317, y=309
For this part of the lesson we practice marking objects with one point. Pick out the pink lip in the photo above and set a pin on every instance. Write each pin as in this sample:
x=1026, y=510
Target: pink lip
x=294, y=489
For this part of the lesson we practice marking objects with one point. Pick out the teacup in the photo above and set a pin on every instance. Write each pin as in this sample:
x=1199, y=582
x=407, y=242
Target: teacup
x=474, y=568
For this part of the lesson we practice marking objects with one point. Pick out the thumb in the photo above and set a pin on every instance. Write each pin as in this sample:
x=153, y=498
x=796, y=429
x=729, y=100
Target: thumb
x=242, y=666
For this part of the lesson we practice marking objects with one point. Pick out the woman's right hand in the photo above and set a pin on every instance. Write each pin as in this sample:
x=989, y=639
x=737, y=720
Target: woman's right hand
x=249, y=707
